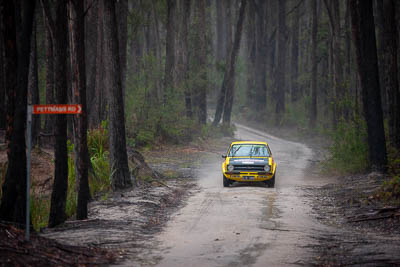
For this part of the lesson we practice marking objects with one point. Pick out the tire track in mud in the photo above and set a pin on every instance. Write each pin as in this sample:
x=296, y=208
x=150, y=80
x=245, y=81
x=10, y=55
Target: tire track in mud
x=203, y=209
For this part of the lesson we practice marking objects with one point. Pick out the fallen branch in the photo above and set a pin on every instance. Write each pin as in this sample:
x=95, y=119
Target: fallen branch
x=386, y=209
x=374, y=218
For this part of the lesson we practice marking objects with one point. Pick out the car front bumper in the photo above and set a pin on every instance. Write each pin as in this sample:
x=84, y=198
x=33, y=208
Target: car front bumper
x=248, y=176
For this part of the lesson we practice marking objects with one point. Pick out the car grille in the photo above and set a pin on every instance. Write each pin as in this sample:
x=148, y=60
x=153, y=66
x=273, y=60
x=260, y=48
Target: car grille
x=248, y=168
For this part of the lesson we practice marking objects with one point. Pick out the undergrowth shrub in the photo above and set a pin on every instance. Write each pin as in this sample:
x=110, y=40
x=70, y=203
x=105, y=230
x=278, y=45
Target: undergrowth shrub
x=349, y=150
x=97, y=139
x=99, y=178
x=156, y=116
x=393, y=161
x=296, y=115
x=390, y=191
x=40, y=209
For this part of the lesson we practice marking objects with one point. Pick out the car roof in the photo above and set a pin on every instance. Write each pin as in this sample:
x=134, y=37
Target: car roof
x=249, y=142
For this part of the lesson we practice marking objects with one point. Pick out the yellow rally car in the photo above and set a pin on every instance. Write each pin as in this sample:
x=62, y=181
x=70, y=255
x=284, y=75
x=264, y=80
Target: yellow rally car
x=248, y=161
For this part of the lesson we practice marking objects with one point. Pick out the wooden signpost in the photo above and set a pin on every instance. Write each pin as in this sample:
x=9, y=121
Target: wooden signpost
x=41, y=109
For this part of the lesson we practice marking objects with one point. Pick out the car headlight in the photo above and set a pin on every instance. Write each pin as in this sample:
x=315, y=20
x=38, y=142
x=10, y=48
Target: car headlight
x=230, y=168
x=267, y=168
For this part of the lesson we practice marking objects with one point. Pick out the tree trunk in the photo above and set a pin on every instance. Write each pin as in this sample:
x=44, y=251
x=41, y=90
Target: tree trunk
x=91, y=21
x=222, y=93
x=97, y=110
x=231, y=76
x=379, y=17
x=348, y=52
x=314, y=64
x=33, y=87
x=135, y=44
x=122, y=20
x=13, y=202
x=294, y=68
x=3, y=110
x=49, y=43
x=184, y=63
x=334, y=21
x=363, y=29
x=79, y=92
x=202, y=57
x=59, y=27
x=261, y=61
x=169, y=79
x=272, y=13
x=156, y=27
x=281, y=68
x=221, y=33
x=251, y=55
x=390, y=70
x=228, y=27
x=120, y=176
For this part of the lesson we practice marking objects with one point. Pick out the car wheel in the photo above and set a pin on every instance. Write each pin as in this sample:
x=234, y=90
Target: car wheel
x=271, y=182
x=226, y=181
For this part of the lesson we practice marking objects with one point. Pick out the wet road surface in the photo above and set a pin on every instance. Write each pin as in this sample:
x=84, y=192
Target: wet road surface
x=244, y=224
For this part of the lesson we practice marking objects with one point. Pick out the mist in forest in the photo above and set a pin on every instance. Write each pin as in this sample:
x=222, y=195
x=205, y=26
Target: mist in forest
x=172, y=71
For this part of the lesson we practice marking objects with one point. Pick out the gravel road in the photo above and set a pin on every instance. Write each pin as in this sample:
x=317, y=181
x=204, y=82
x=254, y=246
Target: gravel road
x=244, y=225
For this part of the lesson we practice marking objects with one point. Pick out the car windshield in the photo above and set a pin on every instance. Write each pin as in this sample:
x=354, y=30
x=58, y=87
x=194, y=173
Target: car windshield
x=249, y=150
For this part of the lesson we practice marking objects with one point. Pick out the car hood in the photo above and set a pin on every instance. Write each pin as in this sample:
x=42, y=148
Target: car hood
x=249, y=161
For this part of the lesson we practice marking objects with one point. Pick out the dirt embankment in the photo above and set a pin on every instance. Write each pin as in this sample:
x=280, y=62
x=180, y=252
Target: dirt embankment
x=41, y=251
x=367, y=231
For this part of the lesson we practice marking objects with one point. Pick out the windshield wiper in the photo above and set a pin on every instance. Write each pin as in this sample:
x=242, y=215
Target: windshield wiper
x=234, y=153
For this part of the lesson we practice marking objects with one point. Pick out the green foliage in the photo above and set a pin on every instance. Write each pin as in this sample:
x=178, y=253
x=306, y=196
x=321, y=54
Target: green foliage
x=99, y=180
x=349, y=150
x=209, y=131
x=390, y=191
x=148, y=119
x=240, y=98
x=40, y=209
x=152, y=114
x=97, y=139
x=144, y=136
x=39, y=202
x=393, y=161
x=296, y=114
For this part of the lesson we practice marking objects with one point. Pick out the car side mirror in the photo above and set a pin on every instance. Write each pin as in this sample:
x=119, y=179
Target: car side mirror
x=224, y=156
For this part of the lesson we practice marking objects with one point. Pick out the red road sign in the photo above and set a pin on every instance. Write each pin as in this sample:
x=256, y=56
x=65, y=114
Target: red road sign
x=57, y=109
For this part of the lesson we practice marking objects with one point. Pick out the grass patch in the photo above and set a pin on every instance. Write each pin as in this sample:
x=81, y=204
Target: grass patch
x=349, y=149
x=40, y=209
x=390, y=191
x=99, y=179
